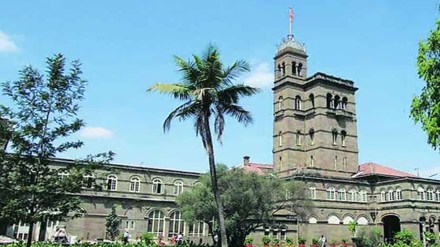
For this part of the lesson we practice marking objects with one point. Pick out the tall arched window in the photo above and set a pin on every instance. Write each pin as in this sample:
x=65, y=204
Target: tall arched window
x=399, y=194
x=280, y=138
x=363, y=196
x=312, y=192
x=312, y=137
x=390, y=195
x=294, y=70
x=157, y=186
x=197, y=229
x=352, y=195
x=176, y=224
x=344, y=103
x=335, y=162
x=280, y=103
x=430, y=194
x=343, y=136
x=421, y=193
x=135, y=184
x=383, y=196
x=178, y=187
x=298, y=138
x=437, y=197
x=300, y=66
x=312, y=161
x=331, y=193
x=297, y=102
x=283, y=69
x=156, y=222
x=112, y=182
x=329, y=100
x=337, y=101
x=334, y=136
x=342, y=196
x=312, y=100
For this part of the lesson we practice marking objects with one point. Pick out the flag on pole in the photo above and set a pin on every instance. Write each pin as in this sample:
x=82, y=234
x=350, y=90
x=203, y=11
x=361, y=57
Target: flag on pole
x=290, y=14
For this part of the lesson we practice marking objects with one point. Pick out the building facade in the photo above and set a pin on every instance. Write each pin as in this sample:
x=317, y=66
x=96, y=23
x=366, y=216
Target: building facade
x=314, y=143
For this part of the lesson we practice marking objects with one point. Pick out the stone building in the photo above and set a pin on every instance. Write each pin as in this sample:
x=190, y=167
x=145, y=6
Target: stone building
x=314, y=142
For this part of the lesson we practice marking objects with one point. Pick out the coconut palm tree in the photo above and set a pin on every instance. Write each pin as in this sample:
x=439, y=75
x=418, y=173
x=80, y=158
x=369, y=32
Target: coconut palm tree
x=209, y=93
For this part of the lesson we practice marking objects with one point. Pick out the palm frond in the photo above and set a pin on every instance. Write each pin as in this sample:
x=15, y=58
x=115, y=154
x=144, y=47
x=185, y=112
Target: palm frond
x=232, y=94
x=178, y=91
x=219, y=122
x=190, y=70
x=234, y=71
x=182, y=109
x=238, y=113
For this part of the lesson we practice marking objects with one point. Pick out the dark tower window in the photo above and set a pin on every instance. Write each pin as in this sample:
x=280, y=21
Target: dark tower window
x=279, y=70
x=334, y=137
x=297, y=103
x=312, y=136
x=312, y=100
x=300, y=66
x=343, y=135
x=337, y=101
x=280, y=103
x=298, y=138
x=293, y=68
x=283, y=69
x=329, y=100
x=280, y=139
x=344, y=103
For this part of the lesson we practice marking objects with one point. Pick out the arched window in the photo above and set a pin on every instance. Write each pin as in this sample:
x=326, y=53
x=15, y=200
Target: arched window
x=342, y=196
x=312, y=192
x=312, y=100
x=178, y=187
x=298, y=138
x=336, y=162
x=421, y=193
x=112, y=182
x=334, y=136
x=157, y=186
x=280, y=103
x=197, y=229
x=347, y=220
x=312, y=161
x=343, y=135
x=352, y=195
x=294, y=70
x=363, y=196
x=430, y=194
x=279, y=70
x=437, y=196
x=300, y=66
x=399, y=194
x=333, y=220
x=135, y=184
x=383, y=196
x=156, y=222
x=312, y=137
x=390, y=195
x=329, y=100
x=280, y=139
x=362, y=221
x=297, y=102
x=344, y=103
x=331, y=193
x=176, y=224
x=337, y=101
x=89, y=181
x=313, y=220
x=283, y=69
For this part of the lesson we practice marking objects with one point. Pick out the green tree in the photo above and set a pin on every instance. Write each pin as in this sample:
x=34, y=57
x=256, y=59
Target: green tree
x=250, y=200
x=208, y=92
x=43, y=116
x=425, y=108
x=112, y=222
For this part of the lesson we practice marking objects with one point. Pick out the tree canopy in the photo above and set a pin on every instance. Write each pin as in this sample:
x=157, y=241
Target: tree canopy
x=425, y=108
x=250, y=200
x=43, y=114
x=209, y=94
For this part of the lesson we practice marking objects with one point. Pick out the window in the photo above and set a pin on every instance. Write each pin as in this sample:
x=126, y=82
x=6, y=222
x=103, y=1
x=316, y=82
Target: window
x=362, y=221
x=156, y=221
x=352, y=195
x=344, y=163
x=390, y=195
x=430, y=195
x=135, y=184
x=329, y=101
x=347, y=220
x=294, y=68
x=130, y=224
x=197, y=229
x=342, y=196
x=312, y=161
x=283, y=68
x=334, y=137
x=298, y=138
x=280, y=139
x=157, y=186
x=336, y=162
x=312, y=137
x=178, y=187
x=333, y=220
x=300, y=69
x=112, y=182
x=343, y=135
x=281, y=163
x=89, y=181
x=312, y=192
x=344, y=103
x=421, y=193
x=313, y=220
x=312, y=100
x=437, y=195
x=383, y=196
x=337, y=101
x=280, y=103
x=63, y=175
x=331, y=193
x=176, y=223
x=399, y=194
x=297, y=103
x=363, y=196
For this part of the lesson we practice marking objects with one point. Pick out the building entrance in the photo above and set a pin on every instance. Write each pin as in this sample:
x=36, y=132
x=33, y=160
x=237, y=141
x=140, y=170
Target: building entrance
x=391, y=225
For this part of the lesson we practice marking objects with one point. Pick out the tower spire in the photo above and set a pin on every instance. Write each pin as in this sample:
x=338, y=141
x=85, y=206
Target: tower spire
x=290, y=36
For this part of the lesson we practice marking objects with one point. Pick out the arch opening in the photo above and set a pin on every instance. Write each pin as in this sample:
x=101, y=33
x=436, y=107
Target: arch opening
x=391, y=225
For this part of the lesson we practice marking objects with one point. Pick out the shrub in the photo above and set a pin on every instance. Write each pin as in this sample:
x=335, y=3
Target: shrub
x=315, y=241
x=289, y=240
x=148, y=238
x=404, y=236
x=248, y=240
x=301, y=240
x=266, y=240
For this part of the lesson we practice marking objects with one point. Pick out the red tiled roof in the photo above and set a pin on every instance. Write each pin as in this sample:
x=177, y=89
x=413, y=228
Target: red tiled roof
x=371, y=168
x=260, y=169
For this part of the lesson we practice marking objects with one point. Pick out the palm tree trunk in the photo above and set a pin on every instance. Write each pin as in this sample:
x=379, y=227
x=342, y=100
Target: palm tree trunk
x=213, y=173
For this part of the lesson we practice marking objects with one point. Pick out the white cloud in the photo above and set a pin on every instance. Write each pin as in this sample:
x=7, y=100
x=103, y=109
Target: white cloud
x=96, y=132
x=6, y=43
x=261, y=76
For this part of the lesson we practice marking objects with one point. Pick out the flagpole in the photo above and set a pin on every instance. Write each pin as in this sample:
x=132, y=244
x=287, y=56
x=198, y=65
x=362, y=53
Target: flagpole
x=290, y=23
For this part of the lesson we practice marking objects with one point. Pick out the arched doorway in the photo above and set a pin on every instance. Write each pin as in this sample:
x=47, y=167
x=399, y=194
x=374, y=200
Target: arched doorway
x=391, y=225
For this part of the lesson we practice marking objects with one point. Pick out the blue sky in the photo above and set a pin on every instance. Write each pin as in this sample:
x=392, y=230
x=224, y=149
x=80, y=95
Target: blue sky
x=127, y=46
